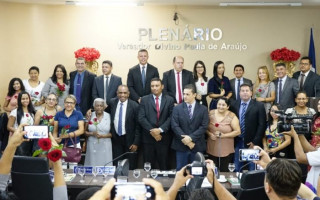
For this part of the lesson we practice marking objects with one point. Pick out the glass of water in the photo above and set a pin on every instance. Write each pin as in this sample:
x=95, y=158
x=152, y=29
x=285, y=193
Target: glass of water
x=231, y=168
x=154, y=173
x=81, y=171
x=95, y=171
x=136, y=173
x=147, y=166
x=105, y=175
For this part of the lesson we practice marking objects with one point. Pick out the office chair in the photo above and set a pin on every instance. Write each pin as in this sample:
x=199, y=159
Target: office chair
x=31, y=179
x=252, y=186
x=122, y=169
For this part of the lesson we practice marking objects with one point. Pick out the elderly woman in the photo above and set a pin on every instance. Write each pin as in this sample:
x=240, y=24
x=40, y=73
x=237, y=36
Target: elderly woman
x=223, y=127
x=68, y=123
x=99, y=147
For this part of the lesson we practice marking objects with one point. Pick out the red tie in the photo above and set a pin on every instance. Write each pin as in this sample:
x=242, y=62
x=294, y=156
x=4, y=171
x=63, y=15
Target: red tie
x=158, y=109
x=179, y=88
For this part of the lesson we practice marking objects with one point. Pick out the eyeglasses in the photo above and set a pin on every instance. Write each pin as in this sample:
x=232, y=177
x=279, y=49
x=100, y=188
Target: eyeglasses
x=49, y=99
x=68, y=102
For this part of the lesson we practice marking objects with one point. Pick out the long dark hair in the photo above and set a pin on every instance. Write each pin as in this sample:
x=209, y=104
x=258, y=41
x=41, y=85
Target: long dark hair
x=270, y=119
x=215, y=72
x=195, y=75
x=54, y=76
x=11, y=90
x=20, y=112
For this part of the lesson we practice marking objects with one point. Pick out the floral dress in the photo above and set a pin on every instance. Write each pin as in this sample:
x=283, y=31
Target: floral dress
x=315, y=132
x=264, y=91
x=274, y=139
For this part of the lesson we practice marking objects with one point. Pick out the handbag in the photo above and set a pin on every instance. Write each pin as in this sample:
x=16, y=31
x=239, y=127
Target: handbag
x=73, y=153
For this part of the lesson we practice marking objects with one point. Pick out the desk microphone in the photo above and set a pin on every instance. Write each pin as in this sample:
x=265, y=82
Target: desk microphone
x=128, y=152
x=241, y=168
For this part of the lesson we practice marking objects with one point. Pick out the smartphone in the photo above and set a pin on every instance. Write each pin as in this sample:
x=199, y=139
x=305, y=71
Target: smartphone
x=249, y=154
x=132, y=191
x=36, y=131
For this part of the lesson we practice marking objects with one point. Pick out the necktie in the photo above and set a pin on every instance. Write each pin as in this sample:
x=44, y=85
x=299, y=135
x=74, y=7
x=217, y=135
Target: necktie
x=242, y=119
x=179, y=88
x=78, y=89
x=190, y=111
x=238, y=90
x=120, y=120
x=106, y=88
x=301, y=81
x=280, y=90
x=143, y=76
x=158, y=109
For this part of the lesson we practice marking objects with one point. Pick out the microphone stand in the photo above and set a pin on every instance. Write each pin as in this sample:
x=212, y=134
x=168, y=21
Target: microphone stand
x=128, y=152
x=241, y=168
x=219, y=152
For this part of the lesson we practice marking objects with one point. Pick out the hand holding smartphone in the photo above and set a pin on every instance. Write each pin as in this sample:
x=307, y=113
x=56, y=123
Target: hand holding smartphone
x=249, y=154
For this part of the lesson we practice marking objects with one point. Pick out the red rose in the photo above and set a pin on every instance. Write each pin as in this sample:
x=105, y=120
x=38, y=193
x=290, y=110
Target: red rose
x=50, y=117
x=44, y=117
x=216, y=124
x=67, y=126
x=27, y=115
x=90, y=123
x=15, y=97
x=222, y=82
x=44, y=144
x=202, y=84
x=55, y=155
x=260, y=90
x=36, y=93
x=95, y=119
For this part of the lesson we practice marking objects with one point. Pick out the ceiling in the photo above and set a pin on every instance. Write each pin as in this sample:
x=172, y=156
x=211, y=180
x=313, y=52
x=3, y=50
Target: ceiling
x=171, y=2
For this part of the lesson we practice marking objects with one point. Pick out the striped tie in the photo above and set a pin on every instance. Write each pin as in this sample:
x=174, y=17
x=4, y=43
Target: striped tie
x=242, y=119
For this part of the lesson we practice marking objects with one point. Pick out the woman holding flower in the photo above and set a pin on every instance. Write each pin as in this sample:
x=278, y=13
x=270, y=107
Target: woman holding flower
x=201, y=81
x=99, y=147
x=34, y=87
x=68, y=123
x=23, y=114
x=57, y=84
x=264, y=89
x=223, y=128
x=275, y=143
x=219, y=85
x=11, y=100
x=316, y=128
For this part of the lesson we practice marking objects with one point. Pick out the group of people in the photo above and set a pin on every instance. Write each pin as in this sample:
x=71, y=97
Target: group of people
x=155, y=116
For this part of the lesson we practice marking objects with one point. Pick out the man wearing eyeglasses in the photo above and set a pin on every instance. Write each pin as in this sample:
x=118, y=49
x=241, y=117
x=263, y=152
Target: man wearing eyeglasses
x=308, y=80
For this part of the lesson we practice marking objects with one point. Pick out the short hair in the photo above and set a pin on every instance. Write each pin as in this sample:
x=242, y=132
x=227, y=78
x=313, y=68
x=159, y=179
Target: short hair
x=52, y=93
x=174, y=58
x=122, y=86
x=245, y=85
x=81, y=58
x=71, y=96
x=307, y=58
x=284, y=176
x=190, y=87
x=87, y=193
x=281, y=65
x=34, y=68
x=107, y=62
x=142, y=50
x=156, y=79
x=99, y=100
x=225, y=99
x=238, y=65
x=201, y=193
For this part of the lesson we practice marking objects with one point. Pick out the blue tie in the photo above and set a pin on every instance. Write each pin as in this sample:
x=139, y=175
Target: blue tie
x=238, y=90
x=190, y=111
x=143, y=76
x=120, y=120
x=242, y=119
x=78, y=92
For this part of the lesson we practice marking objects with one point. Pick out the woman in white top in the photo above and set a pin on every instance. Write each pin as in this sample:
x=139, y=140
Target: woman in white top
x=99, y=147
x=34, y=87
x=201, y=81
x=23, y=114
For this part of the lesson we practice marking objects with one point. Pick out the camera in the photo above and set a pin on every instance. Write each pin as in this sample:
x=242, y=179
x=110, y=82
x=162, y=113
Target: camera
x=133, y=191
x=249, y=154
x=36, y=132
x=197, y=168
x=303, y=126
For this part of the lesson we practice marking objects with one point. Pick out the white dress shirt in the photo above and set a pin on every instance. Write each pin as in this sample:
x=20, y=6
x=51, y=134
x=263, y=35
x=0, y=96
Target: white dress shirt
x=116, y=117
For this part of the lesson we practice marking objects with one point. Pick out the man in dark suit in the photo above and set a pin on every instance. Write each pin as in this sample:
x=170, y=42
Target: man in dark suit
x=106, y=85
x=189, y=123
x=139, y=77
x=307, y=79
x=252, y=118
x=125, y=128
x=235, y=83
x=286, y=88
x=175, y=79
x=154, y=117
x=81, y=82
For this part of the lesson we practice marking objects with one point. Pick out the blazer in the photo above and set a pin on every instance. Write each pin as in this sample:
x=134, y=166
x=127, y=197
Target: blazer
x=148, y=118
x=255, y=121
x=98, y=87
x=195, y=127
x=86, y=90
x=311, y=84
x=232, y=83
x=289, y=92
x=169, y=82
x=134, y=81
x=132, y=126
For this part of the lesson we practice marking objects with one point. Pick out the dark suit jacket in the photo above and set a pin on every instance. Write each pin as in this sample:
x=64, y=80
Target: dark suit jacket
x=134, y=81
x=232, y=83
x=289, y=92
x=311, y=84
x=255, y=121
x=169, y=82
x=195, y=127
x=86, y=90
x=148, y=118
x=132, y=126
x=98, y=87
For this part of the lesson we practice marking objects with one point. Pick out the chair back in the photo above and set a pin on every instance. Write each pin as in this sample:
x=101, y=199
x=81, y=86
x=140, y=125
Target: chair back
x=252, y=194
x=31, y=179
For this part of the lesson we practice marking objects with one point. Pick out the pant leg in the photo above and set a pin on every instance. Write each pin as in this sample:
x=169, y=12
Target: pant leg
x=182, y=159
x=149, y=154
x=118, y=148
x=162, y=156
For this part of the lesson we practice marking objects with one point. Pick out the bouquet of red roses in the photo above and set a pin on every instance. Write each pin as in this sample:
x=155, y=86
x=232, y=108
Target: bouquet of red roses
x=89, y=54
x=285, y=55
x=53, y=153
x=60, y=89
